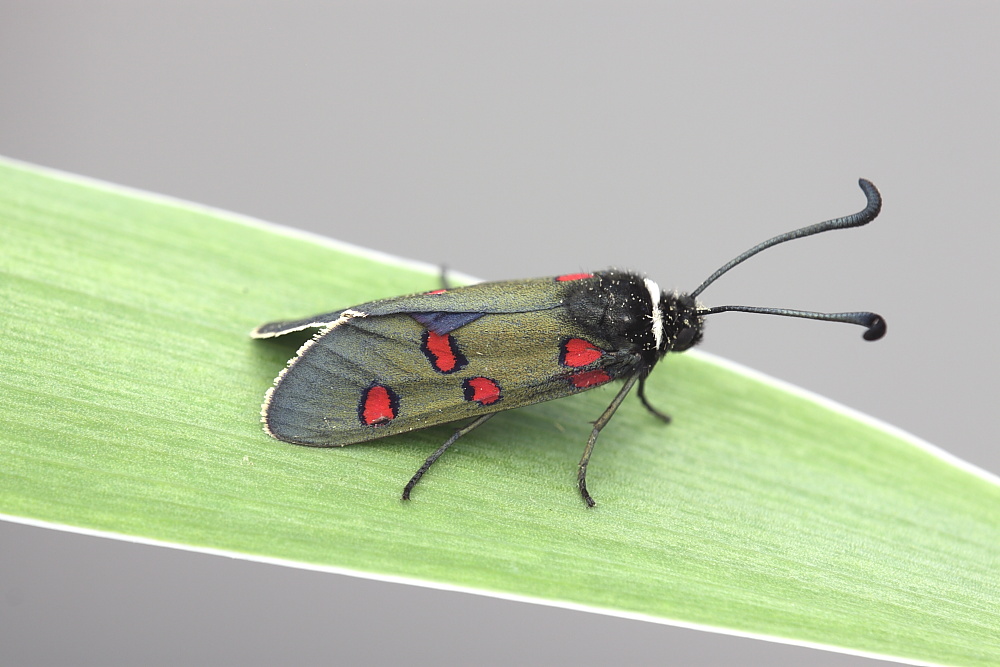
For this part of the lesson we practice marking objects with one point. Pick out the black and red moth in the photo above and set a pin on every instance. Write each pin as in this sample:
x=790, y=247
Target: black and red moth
x=410, y=362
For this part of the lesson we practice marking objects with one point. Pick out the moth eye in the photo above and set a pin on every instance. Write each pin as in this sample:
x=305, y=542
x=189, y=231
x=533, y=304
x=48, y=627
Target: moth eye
x=685, y=339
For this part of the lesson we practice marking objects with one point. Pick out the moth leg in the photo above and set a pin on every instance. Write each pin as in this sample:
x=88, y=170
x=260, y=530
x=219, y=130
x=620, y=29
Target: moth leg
x=601, y=422
x=663, y=416
x=440, y=450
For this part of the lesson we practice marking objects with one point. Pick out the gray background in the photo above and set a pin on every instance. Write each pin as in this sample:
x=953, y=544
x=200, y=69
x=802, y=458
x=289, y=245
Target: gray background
x=514, y=139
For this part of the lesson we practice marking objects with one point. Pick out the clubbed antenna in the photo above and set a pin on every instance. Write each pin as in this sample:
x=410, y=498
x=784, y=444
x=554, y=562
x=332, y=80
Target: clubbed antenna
x=874, y=323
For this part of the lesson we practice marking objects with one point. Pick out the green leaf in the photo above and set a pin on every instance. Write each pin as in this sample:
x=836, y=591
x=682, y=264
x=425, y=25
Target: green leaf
x=131, y=394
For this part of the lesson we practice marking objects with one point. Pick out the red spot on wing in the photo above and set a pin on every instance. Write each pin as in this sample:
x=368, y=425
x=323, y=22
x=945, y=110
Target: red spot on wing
x=481, y=390
x=443, y=352
x=437, y=291
x=574, y=276
x=577, y=352
x=379, y=405
x=588, y=379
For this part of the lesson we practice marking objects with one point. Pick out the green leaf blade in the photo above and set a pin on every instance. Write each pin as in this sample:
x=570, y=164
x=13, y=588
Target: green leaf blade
x=132, y=396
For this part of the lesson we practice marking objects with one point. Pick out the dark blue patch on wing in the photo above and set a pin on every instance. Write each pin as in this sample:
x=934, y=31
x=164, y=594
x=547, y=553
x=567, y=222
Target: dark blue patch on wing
x=442, y=323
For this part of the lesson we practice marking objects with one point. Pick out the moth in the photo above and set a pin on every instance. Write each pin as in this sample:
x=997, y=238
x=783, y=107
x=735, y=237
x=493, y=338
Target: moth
x=396, y=365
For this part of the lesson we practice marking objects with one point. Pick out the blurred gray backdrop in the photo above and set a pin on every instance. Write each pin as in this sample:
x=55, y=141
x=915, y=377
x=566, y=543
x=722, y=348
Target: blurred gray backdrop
x=514, y=139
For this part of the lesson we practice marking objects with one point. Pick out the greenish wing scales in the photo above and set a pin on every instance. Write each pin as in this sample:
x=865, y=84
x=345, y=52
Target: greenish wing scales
x=384, y=369
x=512, y=296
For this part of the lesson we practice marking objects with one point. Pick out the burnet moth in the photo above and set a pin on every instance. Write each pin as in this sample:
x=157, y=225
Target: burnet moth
x=410, y=362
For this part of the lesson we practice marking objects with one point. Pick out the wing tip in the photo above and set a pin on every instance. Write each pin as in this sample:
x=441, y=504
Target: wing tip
x=282, y=327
